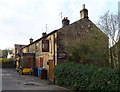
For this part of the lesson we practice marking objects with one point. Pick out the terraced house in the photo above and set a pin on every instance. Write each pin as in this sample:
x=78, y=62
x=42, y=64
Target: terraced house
x=54, y=48
x=17, y=52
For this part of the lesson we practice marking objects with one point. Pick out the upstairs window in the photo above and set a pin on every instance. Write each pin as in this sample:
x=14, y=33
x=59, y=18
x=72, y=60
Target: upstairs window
x=37, y=46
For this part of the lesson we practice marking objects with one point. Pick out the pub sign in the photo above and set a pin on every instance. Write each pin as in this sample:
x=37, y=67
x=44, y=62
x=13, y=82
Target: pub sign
x=45, y=45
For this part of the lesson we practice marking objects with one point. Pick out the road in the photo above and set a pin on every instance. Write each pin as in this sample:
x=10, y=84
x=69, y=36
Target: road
x=11, y=80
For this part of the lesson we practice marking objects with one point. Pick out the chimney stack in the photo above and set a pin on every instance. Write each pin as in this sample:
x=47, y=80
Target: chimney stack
x=65, y=21
x=44, y=34
x=31, y=40
x=83, y=6
x=84, y=12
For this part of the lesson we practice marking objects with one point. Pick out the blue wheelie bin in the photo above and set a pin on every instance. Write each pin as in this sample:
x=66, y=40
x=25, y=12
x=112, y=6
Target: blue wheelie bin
x=39, y=71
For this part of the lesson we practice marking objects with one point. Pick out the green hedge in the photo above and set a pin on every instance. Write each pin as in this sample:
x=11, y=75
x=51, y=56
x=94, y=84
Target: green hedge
x=86, y=77
x=8, y=63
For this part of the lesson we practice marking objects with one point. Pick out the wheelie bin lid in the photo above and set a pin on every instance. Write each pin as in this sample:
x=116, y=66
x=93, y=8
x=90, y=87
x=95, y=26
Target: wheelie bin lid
x=40, y=68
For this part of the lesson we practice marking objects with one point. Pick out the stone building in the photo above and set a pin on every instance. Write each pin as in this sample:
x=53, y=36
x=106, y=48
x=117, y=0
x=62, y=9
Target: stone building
x=54, y=48
x=17, y=52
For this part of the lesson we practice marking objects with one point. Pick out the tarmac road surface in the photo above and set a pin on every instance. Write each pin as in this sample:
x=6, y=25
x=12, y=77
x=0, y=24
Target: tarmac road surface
x=11, y=80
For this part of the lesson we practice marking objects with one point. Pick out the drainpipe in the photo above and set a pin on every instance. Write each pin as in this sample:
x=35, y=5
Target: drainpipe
x=54, y=57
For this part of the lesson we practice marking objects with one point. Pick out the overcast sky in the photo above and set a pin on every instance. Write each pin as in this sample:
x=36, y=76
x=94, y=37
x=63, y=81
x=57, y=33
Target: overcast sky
x=21, y=20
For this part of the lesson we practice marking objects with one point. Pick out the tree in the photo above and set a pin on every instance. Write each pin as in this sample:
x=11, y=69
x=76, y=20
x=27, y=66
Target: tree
x=6, y=51
x=108, y=23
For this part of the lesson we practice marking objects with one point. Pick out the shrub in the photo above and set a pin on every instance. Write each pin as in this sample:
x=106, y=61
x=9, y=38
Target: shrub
x=86, y=77
x=86, y=53
x=8, y=63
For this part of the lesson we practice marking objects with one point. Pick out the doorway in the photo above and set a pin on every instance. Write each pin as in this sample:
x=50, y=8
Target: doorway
x=51, y=66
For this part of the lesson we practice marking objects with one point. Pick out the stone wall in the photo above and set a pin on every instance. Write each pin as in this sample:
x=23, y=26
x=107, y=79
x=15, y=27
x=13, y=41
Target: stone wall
x=84, y=32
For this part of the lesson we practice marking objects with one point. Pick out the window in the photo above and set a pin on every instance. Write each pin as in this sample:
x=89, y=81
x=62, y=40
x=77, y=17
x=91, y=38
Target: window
x=37, y=46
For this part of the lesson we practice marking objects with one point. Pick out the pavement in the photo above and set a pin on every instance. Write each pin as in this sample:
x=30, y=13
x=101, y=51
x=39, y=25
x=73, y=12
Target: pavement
x=11, y=80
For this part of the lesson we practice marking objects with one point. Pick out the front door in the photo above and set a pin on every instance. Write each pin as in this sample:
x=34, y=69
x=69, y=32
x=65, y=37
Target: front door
x=51, y=66
x=41, y=62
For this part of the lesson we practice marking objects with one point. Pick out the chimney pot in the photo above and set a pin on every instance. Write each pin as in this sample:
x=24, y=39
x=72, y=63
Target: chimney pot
x=31, y=40
x=84, y=12
x=83, y=6
x=65, y=21
x=44, y=34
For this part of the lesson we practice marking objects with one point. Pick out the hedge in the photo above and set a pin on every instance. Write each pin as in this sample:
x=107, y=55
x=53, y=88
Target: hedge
x=8, y=63
x=86, y=77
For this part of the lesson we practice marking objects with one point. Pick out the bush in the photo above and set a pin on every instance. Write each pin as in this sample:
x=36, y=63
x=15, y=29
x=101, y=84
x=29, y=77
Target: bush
x=8, y=63
x=87, y=77
x=85, y=53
